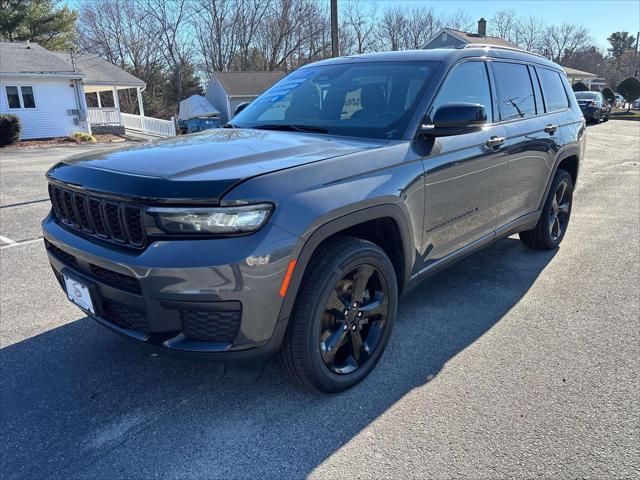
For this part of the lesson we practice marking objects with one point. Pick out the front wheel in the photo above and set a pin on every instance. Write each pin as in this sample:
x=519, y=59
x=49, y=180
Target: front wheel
x=343, y=316
x=554, y=219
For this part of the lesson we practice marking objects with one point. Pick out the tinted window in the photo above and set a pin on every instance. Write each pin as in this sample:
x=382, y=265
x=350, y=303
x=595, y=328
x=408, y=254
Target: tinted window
x=587, y=95
x=467, y=83
x=555, y=97
x=28, y=99
x=515, y=93
x=12, y=97
x=374, y=100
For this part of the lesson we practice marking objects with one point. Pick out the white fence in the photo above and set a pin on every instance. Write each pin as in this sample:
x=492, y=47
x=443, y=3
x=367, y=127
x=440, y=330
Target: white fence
x=104, y=116
x=154, y=126
x=148, y=125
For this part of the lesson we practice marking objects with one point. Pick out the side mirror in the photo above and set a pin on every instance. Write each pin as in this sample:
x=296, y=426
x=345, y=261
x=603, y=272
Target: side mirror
x=456, y=119
x=240, y=107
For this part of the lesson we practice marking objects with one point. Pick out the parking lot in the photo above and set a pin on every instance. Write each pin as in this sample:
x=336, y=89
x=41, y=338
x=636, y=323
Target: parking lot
x=511, y=364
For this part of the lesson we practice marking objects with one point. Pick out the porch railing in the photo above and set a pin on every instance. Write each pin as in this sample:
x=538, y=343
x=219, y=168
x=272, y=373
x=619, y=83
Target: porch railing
x=104, y=116
x=148, y=125
x=154, y=126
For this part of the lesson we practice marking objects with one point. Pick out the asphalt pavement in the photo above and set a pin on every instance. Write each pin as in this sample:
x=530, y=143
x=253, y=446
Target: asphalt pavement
x=511, y=364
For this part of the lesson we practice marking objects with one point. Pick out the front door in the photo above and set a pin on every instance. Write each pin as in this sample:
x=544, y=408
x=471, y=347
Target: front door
x=464, y=174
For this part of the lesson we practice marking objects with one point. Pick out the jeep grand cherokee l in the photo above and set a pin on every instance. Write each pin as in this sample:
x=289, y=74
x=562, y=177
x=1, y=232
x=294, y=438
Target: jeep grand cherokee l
x=294, y=230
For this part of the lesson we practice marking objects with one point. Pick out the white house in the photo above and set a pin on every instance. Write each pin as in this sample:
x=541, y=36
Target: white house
x=48, y=92
x=227, y=90
x=42, y=90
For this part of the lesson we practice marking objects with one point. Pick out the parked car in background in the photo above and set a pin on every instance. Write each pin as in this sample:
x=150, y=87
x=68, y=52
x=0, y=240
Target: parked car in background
x=294, y=230
x=620, y=101
x=594, y=106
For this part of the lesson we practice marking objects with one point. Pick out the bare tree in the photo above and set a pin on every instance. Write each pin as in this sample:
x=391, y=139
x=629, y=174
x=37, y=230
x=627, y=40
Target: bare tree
x=459, y=20
x=214, y=24
x=392, y=28
x=503, y=24
x=421, y=25
x=358, y=28
x=529, y=34
x=562, y=41
x=168, y=19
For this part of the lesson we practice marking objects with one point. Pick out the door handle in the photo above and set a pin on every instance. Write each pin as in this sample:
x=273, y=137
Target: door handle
x=494, y=141
x=551, y=128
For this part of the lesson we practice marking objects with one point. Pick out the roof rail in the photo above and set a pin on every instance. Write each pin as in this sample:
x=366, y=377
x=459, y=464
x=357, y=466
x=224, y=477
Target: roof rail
x=499, y=47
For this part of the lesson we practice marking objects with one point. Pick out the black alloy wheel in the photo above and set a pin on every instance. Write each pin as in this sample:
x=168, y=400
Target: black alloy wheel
x=559, y=212
x=343, y=315
x=354, y=319
x=554, y=218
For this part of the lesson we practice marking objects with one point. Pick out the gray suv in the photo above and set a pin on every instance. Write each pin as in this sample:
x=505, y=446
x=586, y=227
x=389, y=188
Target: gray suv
x=294, y=229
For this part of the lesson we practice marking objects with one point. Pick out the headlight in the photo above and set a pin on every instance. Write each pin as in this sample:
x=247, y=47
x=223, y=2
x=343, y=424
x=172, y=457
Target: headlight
x=246, y=218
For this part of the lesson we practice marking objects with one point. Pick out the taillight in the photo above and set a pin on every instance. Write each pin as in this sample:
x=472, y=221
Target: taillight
x=592, y=104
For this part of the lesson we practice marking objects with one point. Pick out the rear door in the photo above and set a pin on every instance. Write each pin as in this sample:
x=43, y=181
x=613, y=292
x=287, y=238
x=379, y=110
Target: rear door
x=531, y=138
x=464, y=174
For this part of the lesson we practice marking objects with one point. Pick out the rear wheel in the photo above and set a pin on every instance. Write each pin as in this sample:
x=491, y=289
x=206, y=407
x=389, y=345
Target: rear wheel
x=554, y=219
x=343, y=316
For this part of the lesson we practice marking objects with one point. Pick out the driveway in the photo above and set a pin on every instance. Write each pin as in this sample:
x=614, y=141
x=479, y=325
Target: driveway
x=511, y=364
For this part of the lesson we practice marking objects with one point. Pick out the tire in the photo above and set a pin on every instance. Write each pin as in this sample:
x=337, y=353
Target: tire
x=306, y=356
x=606, y=118
x=554, y=219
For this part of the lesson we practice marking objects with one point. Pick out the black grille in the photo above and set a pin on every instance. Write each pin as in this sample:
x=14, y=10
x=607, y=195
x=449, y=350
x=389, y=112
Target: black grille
x=63, y=256
x=210, y=326
x=124, y=317
x=115, y=221
x=115, y=279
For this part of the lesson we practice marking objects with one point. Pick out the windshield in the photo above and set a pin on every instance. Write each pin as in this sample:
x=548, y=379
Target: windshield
x=587, y=95
x=372, y=100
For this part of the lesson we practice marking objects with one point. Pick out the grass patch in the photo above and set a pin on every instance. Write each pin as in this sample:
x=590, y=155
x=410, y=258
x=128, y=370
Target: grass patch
x=631, y=115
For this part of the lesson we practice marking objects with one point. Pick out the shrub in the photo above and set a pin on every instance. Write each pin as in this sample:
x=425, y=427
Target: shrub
x=630, y=90
x=10, y=128
x=82, y=137
x=608, y=94
x=579, y=87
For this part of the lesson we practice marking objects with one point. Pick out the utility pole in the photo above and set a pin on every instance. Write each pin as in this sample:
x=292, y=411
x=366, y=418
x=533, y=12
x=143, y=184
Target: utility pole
x=635, y=57
x=335, y=47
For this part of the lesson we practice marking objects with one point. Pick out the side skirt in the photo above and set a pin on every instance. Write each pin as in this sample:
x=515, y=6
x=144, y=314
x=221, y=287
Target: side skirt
x=526, y=222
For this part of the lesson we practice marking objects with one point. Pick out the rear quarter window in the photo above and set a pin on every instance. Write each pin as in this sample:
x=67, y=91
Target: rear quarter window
x=555, y=97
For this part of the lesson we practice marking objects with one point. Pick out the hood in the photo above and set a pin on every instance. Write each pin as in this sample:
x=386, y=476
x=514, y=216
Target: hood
x=200, y=167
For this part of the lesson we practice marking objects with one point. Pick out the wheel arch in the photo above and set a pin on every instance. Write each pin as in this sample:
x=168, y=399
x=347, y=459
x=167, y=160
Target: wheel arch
x=347, y=225
x=569, y=160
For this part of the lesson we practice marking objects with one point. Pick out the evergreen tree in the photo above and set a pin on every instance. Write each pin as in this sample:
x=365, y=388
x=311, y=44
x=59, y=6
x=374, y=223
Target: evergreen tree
x=40, y=21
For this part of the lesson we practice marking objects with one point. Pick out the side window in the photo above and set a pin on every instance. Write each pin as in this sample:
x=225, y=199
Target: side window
x=515, y=91
x=555, y=97
x=13, y=98
x=466, y=83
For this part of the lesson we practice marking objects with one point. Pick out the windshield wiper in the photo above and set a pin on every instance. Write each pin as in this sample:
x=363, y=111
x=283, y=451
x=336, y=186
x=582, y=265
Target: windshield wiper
x=291, y=128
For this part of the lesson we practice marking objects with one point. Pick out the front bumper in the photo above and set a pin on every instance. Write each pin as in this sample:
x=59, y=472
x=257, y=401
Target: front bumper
x=216, y=298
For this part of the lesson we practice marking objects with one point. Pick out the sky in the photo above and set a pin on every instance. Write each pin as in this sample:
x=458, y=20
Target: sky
x=601, y=17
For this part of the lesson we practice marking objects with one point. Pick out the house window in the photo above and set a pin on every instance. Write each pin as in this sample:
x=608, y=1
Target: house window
x=13, y=98
x=28, y=100
x=20, y=97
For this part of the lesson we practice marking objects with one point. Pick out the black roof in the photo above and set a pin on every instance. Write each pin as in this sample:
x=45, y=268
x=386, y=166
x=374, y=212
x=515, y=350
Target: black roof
x=449, y=55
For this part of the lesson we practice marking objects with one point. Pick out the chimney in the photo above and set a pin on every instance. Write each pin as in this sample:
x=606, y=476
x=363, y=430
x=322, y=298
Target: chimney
x=482, y=27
